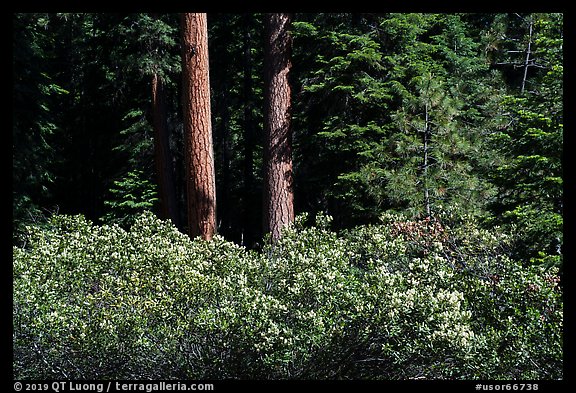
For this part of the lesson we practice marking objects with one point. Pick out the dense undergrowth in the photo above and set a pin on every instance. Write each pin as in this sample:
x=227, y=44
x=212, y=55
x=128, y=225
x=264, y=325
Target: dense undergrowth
x=399, y=300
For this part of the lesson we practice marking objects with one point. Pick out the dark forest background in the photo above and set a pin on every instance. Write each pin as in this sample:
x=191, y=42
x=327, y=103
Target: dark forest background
x=456, y=116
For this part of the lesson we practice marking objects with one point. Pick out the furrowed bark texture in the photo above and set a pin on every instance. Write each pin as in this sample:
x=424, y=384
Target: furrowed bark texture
x=278, y=178
x=199, y=154
x=162, y=154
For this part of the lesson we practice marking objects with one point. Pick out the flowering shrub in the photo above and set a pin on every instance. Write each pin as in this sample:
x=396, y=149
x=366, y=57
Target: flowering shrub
x=399, y=300
x=507, y=318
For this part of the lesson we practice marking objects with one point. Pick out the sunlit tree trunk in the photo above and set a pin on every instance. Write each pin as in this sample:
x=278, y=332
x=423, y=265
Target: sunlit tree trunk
x=199, y=152
x=278, y=178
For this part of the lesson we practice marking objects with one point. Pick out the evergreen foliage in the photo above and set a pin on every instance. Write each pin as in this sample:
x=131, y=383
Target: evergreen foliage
x=530, y=139
x=130, y=196
x=429, y=147
x=411, y=112
x=399, y=119
x=34, y=115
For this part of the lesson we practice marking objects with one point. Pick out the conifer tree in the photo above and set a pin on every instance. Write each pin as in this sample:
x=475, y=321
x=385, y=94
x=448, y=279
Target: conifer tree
x=199, y=155
x=278, y=181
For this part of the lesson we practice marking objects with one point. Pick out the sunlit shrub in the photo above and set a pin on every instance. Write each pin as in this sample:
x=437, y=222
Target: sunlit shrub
x=511, y=320
x=399, y=300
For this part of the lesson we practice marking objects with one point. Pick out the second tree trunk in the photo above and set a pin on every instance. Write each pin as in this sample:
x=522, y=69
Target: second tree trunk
x=278, y=177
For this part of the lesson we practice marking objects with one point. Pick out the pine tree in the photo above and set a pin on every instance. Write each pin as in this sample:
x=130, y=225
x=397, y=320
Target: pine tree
x=278, y=181
x=199, y=155
x=341, y=110
x=36, y=92
x=432, y=174
x=530, y=140
x=394, y=109
x=162, y=153
x=145, y=65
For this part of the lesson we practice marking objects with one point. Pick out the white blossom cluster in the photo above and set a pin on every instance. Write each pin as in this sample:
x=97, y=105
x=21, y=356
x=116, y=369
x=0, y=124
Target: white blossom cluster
x=103, y=302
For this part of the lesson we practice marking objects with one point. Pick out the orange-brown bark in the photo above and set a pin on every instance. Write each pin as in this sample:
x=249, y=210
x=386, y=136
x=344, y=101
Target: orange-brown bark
x=278, y=181
x=199, y=154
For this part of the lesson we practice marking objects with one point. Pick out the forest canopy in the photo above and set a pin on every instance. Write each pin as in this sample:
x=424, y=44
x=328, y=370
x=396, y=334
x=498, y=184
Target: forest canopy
x=455, y=116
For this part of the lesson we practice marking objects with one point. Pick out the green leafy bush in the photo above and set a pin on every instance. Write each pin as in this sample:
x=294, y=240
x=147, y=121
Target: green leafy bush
x=506, y=318
x=401, y=300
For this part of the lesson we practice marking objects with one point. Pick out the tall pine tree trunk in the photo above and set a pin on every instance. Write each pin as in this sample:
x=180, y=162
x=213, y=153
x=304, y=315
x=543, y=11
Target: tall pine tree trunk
x=278, y=178
x=162, y=154
x=198, y=153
